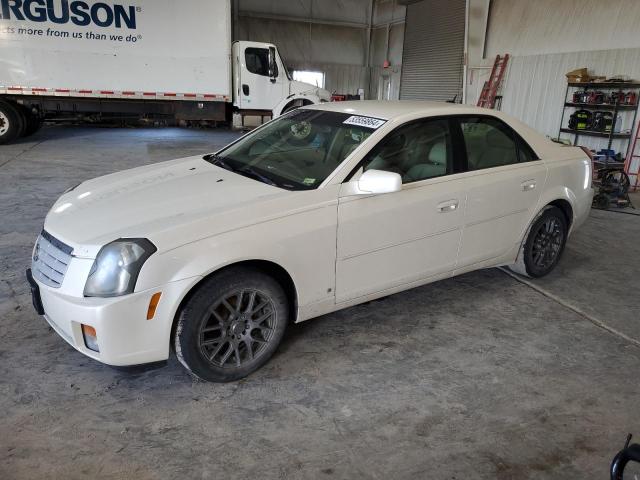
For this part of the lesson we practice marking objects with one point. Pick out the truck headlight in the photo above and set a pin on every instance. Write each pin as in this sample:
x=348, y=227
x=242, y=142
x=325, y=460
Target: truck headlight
x=116, y=268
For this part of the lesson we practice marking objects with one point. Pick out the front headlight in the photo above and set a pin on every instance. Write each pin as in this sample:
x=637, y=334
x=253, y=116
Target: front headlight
x=116, y=268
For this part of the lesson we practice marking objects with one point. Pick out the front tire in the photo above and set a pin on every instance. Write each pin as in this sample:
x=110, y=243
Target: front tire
x=544, y=244
x=231, y=325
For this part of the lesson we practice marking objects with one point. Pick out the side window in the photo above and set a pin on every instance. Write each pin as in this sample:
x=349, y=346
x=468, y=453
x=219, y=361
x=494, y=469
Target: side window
x=489, y=143
x=526, y=154
x=257, y=60
x=416, y=151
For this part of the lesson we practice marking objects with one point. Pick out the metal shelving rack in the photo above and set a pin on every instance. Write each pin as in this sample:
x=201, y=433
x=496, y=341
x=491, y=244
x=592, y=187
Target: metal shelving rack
x=617, y=108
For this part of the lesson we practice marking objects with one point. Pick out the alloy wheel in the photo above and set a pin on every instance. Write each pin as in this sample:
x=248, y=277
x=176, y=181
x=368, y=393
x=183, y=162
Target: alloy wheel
x=547, y=243
x=237, y=328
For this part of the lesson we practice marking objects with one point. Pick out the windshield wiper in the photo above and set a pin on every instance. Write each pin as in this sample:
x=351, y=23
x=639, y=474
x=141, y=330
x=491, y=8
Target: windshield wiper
x=246, y=171
x=250, y=172
x=218, y=161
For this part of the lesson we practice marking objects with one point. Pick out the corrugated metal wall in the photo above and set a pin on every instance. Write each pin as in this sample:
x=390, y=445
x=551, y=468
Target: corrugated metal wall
x=387, y=42
x=433, y=50
x=330, y=36
x=536, y=84
x=535, y=88
x=559, y=26
x=319, y=35
x=564, y=35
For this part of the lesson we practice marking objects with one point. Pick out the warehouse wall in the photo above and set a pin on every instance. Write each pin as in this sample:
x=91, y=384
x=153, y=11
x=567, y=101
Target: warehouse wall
x=387, y=41
x=331, y=36
x=552, y=26
x=548, y=38
x=319, y=35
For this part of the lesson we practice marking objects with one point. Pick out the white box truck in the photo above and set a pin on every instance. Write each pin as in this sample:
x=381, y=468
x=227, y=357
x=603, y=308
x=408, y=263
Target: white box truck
x=62, y=59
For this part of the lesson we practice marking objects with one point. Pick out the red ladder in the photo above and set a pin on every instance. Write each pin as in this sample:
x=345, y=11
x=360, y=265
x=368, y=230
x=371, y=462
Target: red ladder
x=490, y=89
x=629, y=168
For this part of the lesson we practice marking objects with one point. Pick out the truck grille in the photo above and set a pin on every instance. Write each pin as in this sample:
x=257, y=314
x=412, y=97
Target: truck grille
x=50, y=260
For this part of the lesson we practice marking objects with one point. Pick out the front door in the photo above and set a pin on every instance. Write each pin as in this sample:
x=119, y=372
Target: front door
x=260, y=88
x=405, y=237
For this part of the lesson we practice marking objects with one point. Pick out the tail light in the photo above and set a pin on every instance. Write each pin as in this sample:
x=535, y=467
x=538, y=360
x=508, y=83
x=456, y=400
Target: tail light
x=588, y=152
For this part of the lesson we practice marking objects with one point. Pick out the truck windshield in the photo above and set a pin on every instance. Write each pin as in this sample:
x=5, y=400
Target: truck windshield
x=297, y=151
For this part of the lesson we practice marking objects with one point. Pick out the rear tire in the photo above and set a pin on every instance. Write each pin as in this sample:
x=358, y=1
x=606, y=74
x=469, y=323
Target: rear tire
x=544, y=245
x=32, y=121
x=231, y=325
x=12, y=123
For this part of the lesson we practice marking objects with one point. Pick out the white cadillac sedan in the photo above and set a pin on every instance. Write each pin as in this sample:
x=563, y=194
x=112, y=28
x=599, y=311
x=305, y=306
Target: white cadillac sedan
x=320, y=209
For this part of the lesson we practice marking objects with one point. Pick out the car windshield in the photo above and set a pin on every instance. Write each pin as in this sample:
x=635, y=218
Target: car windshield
x=297, y=151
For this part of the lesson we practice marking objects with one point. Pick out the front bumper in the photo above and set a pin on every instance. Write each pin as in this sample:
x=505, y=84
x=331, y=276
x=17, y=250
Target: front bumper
x=125, y=336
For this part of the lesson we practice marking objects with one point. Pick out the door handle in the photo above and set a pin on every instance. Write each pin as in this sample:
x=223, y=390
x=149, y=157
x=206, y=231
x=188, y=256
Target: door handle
x=528, y=185
x=448, y=206
x=245, y=89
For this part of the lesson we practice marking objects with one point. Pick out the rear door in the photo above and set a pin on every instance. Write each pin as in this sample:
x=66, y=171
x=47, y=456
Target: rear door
x=502, y=192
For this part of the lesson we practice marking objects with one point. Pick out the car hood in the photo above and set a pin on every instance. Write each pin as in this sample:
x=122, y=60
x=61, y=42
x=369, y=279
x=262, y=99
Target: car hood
x=148, y=202
x=297, y=88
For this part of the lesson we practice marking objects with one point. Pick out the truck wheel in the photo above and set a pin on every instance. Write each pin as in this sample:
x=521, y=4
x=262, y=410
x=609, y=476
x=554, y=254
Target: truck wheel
x=231, y=325
x=12, y=123
x=32, y=122
x=544, y=245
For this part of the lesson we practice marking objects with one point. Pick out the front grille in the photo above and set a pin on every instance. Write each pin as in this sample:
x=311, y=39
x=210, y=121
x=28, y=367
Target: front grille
x=50, y=260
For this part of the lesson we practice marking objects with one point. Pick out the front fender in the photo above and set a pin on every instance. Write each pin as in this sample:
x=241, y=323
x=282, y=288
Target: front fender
x=303, y=243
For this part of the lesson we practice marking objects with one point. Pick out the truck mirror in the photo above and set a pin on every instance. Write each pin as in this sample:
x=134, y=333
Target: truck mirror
x=273, y=65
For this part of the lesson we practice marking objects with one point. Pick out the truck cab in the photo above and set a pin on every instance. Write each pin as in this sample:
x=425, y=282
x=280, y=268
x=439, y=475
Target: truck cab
x=261, y=82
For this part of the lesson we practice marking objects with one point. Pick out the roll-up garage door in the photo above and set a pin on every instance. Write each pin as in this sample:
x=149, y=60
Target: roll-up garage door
x=433, y=50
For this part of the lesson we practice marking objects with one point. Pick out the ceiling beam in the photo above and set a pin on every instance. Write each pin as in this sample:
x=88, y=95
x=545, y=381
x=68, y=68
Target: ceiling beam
x=315, y=21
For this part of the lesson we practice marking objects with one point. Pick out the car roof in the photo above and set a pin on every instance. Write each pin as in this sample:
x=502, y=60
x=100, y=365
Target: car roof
x=402, y=110
x=391, y=109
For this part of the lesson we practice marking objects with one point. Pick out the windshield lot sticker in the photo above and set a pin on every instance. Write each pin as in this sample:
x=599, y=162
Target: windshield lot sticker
x=365, y=122
x=309, y=181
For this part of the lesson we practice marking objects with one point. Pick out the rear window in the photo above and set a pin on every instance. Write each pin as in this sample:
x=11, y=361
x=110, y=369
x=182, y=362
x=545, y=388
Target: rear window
x=490, y=142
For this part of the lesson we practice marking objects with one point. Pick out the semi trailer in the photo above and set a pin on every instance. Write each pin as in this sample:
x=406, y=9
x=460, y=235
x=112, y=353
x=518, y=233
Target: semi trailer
x=148, y=59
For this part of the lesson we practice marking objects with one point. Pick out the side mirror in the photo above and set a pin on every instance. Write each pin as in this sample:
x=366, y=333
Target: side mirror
x=273, y=65
x=379, y=181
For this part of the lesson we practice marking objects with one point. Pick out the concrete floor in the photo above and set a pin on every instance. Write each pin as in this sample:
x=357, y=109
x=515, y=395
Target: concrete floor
x=479, y=376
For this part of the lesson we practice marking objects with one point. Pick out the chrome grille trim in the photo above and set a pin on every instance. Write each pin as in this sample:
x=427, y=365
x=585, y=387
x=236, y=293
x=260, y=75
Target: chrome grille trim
x=50, y=260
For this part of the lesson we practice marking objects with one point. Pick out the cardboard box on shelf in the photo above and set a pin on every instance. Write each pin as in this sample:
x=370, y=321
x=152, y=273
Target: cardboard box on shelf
x=580, y=75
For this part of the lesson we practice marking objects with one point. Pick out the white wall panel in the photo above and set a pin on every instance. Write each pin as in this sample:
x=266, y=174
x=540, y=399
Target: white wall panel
x=354, y=11
x=302, y=42
x=388, y=11
x=534, y=87
x=525, y=27
x=340, y=51
x=547, y=39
